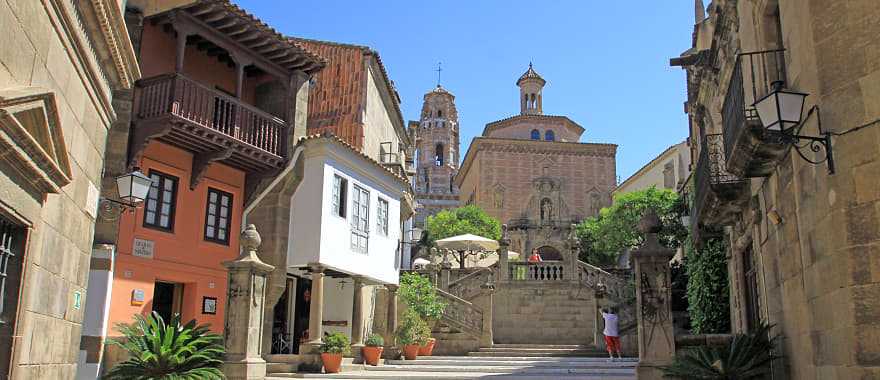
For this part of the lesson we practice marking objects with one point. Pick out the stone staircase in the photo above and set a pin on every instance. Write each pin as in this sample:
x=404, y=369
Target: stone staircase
x=504, y=361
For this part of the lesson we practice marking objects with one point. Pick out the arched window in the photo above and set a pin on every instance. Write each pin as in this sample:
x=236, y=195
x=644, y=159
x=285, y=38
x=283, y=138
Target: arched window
x=439, y=113
x=536, y=135
x=549, y=135
x=438, y=155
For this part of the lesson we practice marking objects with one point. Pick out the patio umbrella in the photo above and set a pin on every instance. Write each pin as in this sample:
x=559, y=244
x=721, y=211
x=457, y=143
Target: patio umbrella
x=468, y=242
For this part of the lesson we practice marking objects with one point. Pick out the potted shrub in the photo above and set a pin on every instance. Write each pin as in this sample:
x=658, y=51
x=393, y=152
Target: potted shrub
x=411, y=333
x=373, y=349
x=333, y=346
x=426, y=342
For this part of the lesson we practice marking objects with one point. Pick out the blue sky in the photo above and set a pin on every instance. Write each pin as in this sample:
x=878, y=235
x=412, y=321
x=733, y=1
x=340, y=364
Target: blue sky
x=606, y=62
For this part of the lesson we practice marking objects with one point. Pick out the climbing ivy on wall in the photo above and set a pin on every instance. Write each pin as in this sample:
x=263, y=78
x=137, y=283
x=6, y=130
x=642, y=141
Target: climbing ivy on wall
x=707, y=287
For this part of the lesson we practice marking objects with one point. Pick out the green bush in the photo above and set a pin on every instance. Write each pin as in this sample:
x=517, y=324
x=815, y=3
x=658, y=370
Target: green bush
x=603, y=237
x=412, y=329
x=375, y=340
x=747, y=356
x=160, y=351
x=419, y=295
x=335, y=343
x=707, y=287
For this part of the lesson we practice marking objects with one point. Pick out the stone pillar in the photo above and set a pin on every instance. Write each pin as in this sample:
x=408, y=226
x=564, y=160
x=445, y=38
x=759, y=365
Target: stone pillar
x=572, y=245
x=391, y=322
x=444, y=275
x=653, y=296
x=488, y=338
x=357, y=316
x=244, y=310
x=503, y=248
x=316, y=311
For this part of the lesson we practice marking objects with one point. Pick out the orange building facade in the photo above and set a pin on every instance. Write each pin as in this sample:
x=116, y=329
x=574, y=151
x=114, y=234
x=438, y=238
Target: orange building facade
x=212, y=121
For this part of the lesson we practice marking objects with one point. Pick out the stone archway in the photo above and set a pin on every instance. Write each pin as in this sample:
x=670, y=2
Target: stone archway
x=549, y=253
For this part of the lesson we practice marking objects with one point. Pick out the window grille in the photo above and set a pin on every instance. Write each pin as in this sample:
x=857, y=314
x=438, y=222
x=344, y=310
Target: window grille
x=360, y=219
x=161, y=201
x=218, y=216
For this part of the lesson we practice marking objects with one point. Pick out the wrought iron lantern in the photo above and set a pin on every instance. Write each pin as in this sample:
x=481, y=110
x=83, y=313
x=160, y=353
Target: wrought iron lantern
x=132, y=189
x=781, y=110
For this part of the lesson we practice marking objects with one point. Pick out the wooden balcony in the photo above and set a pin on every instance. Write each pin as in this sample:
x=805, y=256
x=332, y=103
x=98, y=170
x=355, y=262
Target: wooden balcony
x=211, y=124
x=718, y=194
x=751, y=150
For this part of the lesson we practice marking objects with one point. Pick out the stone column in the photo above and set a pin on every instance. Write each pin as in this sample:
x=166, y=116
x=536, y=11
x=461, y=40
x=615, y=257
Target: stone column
x=503, y=248
x=444, y=275
x=244, y=310
x=391, y=322
x=653, y=296
x=316, y=310
x=357, y=316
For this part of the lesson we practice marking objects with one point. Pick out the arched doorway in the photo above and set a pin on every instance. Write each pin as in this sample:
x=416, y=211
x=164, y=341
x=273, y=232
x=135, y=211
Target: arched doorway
x=549, y=253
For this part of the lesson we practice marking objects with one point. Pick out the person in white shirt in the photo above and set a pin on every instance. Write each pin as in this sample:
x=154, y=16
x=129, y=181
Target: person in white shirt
x=612, y=337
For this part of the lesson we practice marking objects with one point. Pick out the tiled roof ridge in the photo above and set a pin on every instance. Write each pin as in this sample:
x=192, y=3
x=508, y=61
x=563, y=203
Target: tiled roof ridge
x=389, y=84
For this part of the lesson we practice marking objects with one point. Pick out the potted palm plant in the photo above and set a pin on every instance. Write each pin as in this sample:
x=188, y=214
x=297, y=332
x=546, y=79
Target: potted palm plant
x=373, y=349
x=333, y=346
x=745, y=357
x=159, y=350
x=411, y=333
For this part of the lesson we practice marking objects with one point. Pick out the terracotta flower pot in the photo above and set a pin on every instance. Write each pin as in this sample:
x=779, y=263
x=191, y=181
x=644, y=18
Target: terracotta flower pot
x=428, y=348
x=332, y=362
x=372, y=354
x=410, y=351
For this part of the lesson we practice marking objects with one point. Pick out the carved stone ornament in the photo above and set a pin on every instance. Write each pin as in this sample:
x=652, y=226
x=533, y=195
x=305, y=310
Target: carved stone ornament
x=31, y=139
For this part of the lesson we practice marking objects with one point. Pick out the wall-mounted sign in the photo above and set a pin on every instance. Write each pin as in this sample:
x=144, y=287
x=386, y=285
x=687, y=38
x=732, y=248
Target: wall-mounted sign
x=143, y=248
x=127, y=274
x=209, y=305
x=335, y=323
x=137, y=297
x=77, y=300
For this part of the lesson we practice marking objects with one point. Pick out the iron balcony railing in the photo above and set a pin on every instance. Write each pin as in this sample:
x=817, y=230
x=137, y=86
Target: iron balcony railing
x=176, y=95
x=753, y=75
x=710, y=173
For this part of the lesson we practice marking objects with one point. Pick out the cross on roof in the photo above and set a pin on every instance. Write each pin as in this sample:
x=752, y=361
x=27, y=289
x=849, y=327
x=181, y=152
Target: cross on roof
x=439, y=69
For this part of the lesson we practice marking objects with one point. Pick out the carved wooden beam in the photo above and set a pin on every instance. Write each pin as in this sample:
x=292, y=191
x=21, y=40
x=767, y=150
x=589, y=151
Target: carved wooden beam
x=143, y=134
x=202, y=10
x=240, y=30
x=226, y=24
x=280, y=54
x=200, y=164
x=215, y=17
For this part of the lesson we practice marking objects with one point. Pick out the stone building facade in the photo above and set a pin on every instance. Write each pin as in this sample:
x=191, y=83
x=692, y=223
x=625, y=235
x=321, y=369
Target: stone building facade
x=530, y=172
x=436, y=148
x=802, y=241
x=669, y=170
x=63, y=66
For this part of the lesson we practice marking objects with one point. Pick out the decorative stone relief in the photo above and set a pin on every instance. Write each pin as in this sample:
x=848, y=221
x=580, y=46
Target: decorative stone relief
x=31, y=138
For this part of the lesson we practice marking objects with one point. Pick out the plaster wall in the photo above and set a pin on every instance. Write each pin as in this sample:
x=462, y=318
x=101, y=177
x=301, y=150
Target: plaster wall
x=378, y=125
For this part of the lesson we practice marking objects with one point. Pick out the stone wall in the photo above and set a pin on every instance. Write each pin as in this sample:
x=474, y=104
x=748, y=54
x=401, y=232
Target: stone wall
x=546, y=314
x=817, y=270
x=47, y=56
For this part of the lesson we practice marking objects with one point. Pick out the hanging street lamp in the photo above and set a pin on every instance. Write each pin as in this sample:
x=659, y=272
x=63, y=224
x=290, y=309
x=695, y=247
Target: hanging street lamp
x=780, y=111
x=132, y=189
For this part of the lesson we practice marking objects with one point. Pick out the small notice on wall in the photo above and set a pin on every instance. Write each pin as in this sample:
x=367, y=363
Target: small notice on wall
x=143, y=248
x=137, y=297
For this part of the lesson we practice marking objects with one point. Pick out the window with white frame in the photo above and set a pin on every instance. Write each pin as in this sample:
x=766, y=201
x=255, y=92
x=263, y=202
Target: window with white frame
x=360, y=219
x=340, y=190
x=382, y=217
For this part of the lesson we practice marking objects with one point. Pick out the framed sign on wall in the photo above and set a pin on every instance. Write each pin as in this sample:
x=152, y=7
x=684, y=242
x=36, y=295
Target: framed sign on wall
x=209, y=305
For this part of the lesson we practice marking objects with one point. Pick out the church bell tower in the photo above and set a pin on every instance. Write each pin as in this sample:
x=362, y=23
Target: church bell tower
x=530, y=86
x=437, y=153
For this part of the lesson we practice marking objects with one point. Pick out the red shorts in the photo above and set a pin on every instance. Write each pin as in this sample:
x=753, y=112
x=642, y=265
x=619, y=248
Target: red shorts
x=612, y=343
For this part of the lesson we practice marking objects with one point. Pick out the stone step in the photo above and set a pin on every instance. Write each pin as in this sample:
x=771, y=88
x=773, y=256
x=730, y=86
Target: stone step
x=464, y=360
x=447, y=376
x=522, y=362
x=520, y=345
x=505, y=369
x=540, y=353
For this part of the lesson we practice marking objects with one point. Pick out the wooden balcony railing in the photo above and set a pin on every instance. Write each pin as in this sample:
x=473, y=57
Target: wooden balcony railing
x=178, y=96
x=712, y=181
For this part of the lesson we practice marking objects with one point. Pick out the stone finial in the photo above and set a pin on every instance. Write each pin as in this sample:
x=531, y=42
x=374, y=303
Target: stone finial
x=572, y=236
x=650, y=222
x=250, y=238
x=699, y=12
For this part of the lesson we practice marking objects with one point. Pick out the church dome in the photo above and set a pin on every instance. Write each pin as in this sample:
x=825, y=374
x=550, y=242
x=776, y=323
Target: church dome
x=530, y=74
